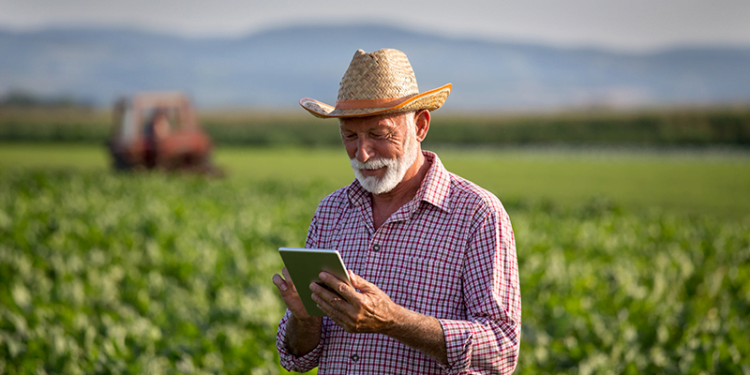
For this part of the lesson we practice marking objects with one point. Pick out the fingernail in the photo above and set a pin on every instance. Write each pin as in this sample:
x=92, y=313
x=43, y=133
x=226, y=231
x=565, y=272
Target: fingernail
x=283, y=287
x=312, y=286
x=322, y=275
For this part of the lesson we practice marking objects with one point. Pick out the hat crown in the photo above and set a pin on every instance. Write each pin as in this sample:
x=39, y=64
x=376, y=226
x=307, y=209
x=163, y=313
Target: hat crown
x=382, y=74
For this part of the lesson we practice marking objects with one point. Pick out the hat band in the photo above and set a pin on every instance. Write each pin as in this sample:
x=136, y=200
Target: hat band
x=371, y=103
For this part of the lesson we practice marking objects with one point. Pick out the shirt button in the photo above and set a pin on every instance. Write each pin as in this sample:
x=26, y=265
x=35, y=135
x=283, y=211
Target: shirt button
x=376, y=247
x=355, y=357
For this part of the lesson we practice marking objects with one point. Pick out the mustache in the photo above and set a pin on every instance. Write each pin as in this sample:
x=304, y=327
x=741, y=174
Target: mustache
x=373, y=163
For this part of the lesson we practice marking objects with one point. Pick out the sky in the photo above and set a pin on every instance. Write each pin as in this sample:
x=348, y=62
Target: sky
x=625, y=25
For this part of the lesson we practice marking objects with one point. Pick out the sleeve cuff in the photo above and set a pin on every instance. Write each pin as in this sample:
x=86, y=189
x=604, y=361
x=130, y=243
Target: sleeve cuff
x=291, y=362
x=478, y=347
x=458, y=344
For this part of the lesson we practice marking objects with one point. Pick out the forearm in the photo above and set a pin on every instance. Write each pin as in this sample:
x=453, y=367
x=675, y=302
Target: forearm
x=420, y=332
x=303, y=336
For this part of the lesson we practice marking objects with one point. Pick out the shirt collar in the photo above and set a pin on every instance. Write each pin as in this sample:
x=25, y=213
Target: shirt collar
x=435, y=188
x=436, y=185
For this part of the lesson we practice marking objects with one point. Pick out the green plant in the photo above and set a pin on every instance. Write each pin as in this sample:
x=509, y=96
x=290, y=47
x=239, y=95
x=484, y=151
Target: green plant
x=145, y=273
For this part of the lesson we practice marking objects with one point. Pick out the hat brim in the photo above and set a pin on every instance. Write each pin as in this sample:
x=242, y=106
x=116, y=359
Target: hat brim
x=429, y=100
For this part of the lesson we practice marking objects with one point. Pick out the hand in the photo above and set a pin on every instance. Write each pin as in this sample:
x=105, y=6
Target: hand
x=369, y=310
x=289, y=295
x=302, y=330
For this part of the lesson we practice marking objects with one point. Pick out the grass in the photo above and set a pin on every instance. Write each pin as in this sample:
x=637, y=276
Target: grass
x=698, y=182
x=53, y=155
x=711, y=182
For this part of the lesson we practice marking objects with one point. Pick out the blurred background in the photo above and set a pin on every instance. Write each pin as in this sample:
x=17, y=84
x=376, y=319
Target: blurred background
x=615, y=133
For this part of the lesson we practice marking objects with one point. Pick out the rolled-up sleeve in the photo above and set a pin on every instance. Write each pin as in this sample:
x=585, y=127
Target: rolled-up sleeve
x=291, y=362
x=488, y=341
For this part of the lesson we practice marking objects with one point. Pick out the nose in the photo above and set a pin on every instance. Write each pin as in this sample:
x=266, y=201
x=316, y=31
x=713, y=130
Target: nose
x=364, y=149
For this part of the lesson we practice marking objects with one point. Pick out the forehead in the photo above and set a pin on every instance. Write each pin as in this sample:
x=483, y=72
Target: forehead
x=369, y=122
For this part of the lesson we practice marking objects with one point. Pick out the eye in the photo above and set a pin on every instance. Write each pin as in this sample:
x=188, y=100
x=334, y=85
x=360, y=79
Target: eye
x=378, y=135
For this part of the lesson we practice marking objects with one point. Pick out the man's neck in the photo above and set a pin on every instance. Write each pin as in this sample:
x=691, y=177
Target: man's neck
x=384, y=205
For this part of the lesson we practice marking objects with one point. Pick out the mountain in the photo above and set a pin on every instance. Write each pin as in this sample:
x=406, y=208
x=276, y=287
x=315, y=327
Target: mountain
x=277, y=67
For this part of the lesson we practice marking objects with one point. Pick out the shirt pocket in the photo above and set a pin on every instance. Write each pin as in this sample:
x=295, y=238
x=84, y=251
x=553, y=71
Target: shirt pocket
x=427, y=286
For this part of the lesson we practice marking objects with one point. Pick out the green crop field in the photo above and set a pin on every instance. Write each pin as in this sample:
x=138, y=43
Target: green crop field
x=713, y=182
x=630, y=261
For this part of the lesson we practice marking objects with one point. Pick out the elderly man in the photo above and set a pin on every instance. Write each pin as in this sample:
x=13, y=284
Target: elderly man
x=431, y=256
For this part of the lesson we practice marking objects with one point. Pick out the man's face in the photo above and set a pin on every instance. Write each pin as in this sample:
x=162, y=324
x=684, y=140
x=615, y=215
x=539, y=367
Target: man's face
x=381, y=149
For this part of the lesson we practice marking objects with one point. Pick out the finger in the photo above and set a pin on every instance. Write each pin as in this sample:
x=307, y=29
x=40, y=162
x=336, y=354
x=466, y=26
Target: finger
x=322, y=299
x=280, y=283
x=322, y=302
x=322, y=292
x=354, y=278
x=331, y=303
x=332, y=306
x=339, y=286
x=289, y=281
x=360, y=283
x=289, y=296
x=341, y=318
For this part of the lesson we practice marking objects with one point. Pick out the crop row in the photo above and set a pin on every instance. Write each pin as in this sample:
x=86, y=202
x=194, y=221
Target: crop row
x=104, y=273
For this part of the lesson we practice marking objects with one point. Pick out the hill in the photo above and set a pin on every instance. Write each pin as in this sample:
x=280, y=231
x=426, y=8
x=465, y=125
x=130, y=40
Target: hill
x=276, y=68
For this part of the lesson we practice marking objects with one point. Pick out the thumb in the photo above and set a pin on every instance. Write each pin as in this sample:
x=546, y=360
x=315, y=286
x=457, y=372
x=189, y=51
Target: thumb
x=360, y=283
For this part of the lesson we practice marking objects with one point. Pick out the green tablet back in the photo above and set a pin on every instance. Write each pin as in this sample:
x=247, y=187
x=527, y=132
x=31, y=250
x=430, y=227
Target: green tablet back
x=304, y=266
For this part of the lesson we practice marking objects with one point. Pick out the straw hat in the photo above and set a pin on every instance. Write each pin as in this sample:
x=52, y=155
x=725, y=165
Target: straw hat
x=377, y=83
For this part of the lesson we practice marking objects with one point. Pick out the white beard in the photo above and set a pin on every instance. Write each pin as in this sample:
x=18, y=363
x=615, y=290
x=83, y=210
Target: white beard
x=395, y=168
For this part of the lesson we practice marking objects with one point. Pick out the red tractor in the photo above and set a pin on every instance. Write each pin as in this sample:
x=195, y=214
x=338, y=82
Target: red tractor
x=159, y=130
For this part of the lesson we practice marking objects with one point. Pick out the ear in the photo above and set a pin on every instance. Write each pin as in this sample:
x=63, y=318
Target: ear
x=422, y=121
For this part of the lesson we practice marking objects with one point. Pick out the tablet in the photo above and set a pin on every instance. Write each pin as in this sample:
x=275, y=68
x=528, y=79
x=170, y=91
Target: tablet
x=304, y=266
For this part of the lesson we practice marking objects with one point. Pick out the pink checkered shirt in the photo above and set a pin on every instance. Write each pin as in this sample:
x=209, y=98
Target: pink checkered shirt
x=448, y=253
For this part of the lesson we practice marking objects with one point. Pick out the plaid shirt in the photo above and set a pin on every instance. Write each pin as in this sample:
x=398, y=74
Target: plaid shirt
x=448, y=253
